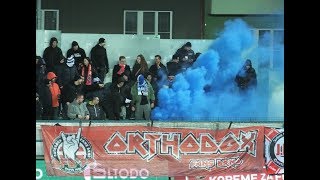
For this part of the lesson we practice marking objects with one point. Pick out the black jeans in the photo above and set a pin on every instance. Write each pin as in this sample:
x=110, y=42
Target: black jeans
x=102, y=71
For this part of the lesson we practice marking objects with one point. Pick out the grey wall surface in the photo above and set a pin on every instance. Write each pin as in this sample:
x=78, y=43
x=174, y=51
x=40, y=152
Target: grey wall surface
x=106, y=16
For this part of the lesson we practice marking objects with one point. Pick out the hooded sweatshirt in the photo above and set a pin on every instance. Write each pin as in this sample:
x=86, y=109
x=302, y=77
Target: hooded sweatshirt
x=54, y=89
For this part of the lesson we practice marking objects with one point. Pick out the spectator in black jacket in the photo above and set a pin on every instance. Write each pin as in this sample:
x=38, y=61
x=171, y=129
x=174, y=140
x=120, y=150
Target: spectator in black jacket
x=53, y=57
x=69, y=71
x=119, y=69
x=94, y=109
x=94, y=90
x=46, y=99
x=158, y=70
x=40, y=72
x=114, y=100
x=186, y=55
x=78, y=53
x=39, y=108
x=69, y=93
x=100, y=59
x=246, y=77
x=174, y=66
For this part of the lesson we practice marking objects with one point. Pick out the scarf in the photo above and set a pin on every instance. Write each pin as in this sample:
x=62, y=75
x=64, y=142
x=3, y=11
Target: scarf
x=89, y=75
x=122, y=68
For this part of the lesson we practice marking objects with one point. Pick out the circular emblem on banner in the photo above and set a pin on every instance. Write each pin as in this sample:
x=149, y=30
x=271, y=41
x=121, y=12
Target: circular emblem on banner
x=277, y=150
x=71, y=152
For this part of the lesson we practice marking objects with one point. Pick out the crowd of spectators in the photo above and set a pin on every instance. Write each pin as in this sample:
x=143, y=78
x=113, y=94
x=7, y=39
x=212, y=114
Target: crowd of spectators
x=73, y=87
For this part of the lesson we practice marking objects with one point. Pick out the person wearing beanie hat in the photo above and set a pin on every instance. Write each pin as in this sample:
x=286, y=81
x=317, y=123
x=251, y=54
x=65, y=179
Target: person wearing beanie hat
x=186, y=55
x=78, y=54
x=100, y=59
x=188, y=44
x=74, y=43
x=101, y=41
x=68, y=73
x=52, y=56
x=142, y=98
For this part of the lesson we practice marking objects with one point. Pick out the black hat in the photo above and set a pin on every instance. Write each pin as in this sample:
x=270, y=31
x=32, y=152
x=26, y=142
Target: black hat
x=188, y=44
x=175, y=57
x=74, y=43
x=53, y=39
x=101, y=40
x=120, y=79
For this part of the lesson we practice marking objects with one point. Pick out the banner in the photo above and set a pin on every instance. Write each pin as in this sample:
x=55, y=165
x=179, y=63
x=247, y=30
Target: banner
x=239, y=176
x=42, y=174
x=151, y=151
x=274, y=150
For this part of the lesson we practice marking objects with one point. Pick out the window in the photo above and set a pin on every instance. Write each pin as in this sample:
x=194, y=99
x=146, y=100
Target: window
x=270, y=42
x=148, y=23
x=48, y=19
x=131, y=22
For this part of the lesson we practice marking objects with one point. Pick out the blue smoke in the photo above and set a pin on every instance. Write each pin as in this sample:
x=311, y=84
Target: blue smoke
x=207, y=91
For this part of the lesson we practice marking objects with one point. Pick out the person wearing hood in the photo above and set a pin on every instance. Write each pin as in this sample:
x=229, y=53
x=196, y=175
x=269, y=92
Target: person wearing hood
x=119, y=69
x=186, y=55
x=55, y=95
x=100, y=59
x=158, y=70
x=142, y=98
x=78, y=54
x=246, y=77
x=40, y=71
x=78, y=110
x=69, y=72
x=53, y=57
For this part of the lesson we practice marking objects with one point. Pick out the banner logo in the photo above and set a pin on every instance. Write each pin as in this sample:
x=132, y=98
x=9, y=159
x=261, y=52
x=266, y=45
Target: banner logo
x=71, y=152
x=276, y=150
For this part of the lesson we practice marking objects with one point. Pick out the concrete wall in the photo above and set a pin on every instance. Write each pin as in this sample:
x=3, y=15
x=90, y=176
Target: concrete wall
x=119, y=44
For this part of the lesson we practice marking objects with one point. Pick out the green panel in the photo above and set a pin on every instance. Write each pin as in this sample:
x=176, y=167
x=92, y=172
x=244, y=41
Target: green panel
x=215, y=24
x=40, y=166
x=246, y=6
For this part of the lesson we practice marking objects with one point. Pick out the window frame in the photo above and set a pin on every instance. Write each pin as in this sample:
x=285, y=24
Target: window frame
x=140, y=22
